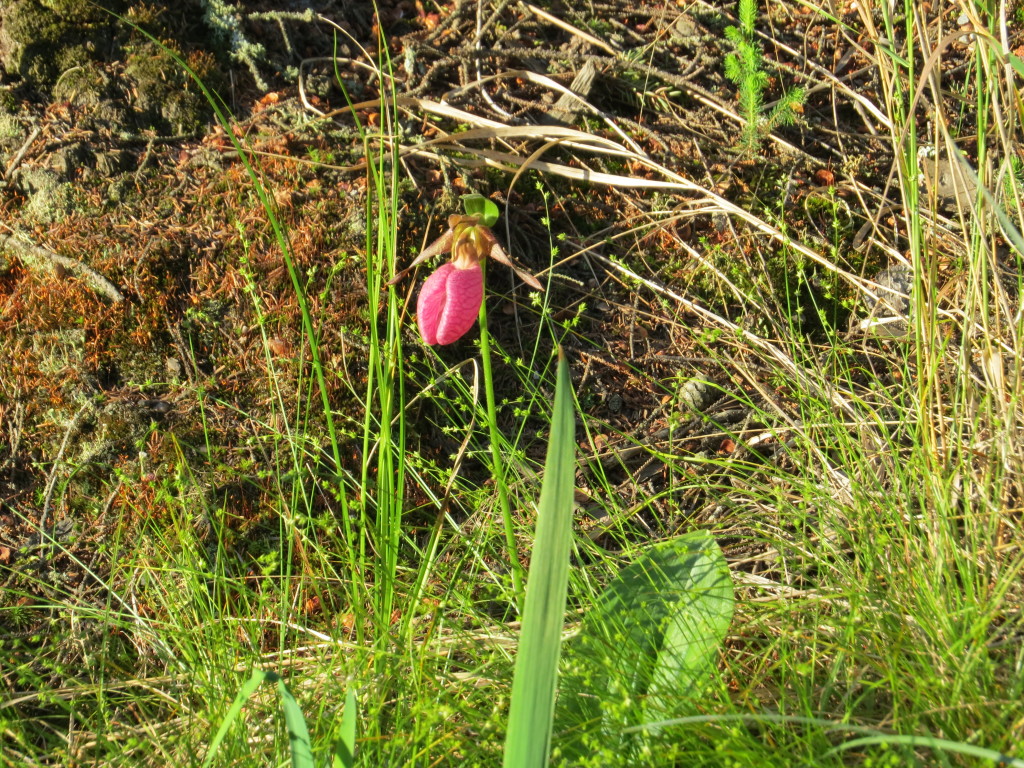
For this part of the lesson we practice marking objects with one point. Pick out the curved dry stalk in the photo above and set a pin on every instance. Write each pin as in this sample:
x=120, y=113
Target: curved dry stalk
x=44, y=261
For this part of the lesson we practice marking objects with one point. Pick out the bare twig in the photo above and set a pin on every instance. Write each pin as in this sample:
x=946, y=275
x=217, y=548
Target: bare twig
x=20, y=154
x=40, y=259
x=476, y=62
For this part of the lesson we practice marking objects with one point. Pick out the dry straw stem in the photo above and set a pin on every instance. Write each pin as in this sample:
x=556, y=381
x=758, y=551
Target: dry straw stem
x=547, y=82
x=451, y=145
x=828, y=392
x=570, y=137
x=571, y=29
x=988, y=326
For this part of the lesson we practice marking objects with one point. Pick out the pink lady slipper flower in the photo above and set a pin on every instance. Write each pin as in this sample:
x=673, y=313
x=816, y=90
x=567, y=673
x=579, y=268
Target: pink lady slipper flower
x=450, y=299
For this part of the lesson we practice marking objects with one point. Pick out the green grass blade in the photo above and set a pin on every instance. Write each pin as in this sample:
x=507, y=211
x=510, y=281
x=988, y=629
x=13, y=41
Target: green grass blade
x=345, y=749
x=247, y=690
x=934, y=743
x=298, y=736
x=536, y=675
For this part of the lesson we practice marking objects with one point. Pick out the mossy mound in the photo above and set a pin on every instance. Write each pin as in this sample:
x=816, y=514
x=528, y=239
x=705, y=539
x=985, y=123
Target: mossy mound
x=73, y=51
x=40, y=41
x=49, y=198
x=164, y=97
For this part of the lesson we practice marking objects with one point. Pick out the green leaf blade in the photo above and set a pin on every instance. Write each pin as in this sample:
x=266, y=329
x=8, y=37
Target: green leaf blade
x=345, y=748
x=298, y=735
x=528, y=738
x=247, y=690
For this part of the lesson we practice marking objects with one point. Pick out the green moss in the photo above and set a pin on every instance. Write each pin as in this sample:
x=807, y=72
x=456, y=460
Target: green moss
x=118, y=429
x=164, y=98
x=184, y=112
x=62, y=47
x=150, y=68
x=121, y=190
x=45, y=40
x=72, y=56
x=30, y=30
x=85, y=85
x=78, y=11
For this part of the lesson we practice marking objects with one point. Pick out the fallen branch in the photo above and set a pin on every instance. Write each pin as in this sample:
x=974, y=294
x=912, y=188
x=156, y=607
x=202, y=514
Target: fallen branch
x=44, y=261
x=20, y=154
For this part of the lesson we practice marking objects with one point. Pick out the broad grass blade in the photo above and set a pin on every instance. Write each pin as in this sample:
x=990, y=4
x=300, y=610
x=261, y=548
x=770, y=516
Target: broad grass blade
x=536, y=675
x=298, y=736
x=345, y=749
x=247, y=690
x=301, y=749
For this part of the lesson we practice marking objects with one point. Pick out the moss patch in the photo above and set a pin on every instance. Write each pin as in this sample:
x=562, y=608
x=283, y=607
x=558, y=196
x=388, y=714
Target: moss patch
x=71, y=50
x=49, y=199
x=163, y=99
x=43, y=40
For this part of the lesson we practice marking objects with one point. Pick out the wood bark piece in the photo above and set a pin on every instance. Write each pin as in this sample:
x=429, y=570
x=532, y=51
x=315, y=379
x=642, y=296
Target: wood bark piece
x=46, y=262
x=568, y=105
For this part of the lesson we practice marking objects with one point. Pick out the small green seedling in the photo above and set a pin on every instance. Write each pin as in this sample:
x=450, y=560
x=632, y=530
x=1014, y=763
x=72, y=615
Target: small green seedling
x=745, y=67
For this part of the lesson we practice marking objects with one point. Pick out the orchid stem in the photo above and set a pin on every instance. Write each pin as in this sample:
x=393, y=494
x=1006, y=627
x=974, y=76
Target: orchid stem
x=497, y=461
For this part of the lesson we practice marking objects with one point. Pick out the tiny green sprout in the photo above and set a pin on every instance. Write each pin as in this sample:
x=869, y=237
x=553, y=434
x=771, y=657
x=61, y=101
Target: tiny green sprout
x=482, y=208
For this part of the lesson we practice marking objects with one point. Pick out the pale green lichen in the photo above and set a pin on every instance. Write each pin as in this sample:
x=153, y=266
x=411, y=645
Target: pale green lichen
x=50, y=200
x=225, y=22
x=59, y=352
x=11, y=131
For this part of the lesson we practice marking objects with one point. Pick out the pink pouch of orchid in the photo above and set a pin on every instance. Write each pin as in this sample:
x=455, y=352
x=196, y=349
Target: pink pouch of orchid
x=449, y=303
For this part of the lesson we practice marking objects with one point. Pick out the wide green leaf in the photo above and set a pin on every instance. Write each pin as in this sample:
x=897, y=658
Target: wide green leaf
x=298, y=735
x=345, y=748
x=646, y=649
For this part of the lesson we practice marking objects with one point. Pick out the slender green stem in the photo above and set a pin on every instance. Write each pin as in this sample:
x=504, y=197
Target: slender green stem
x=497, y=461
